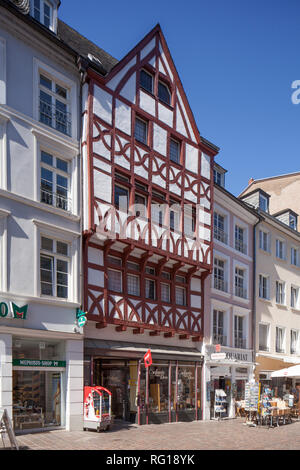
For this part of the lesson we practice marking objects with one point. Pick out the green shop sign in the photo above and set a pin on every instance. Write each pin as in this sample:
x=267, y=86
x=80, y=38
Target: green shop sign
x=38, y=363
x=10, y=309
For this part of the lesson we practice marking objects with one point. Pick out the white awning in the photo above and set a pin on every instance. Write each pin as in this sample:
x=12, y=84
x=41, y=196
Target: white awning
x=293, y=371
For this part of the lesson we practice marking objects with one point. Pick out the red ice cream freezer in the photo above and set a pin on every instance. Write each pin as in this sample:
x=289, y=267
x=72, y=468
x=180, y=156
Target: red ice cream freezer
x=97, y=408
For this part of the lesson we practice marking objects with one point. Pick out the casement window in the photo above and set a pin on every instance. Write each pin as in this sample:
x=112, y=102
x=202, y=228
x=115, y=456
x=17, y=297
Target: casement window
x=264, y=241
x=150, y=291
x=133, y=266
x=114, y=260
x=55, y=182
x=42, y=12
x=189, y=220
x=133, y=284
x=146, y=80
x=263, y=203
x=165, y=292
x=219, y=328
x=219, y=178
x=180, y=295
x=239, y=325
x=264, y=287
x=294, y=297
x=263, y=333
x=240, y=239
x=54, y=268
x=140, y=205
x=220, y=282
x=293, y=221
x=279, y=341
x=175, y=211
x=141, y=130
x=150, y=270
x=294, y=344
x=121, y=198
x=294, y=256
x=114, y=280
x=158, y=213
x=280, y=249
x=164, y=93
x=219, y=228
x=280, y=293
x=174, y=151
x=240, y=283
x=54, y=104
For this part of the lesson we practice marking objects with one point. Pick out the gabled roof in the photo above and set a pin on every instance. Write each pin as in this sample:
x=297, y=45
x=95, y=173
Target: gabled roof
x=84, y=46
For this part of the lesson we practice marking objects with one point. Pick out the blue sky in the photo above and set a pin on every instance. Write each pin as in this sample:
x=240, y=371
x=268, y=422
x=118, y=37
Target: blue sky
x=237, y=60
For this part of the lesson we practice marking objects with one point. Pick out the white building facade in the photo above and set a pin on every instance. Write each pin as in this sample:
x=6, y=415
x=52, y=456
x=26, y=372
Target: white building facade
x=41, y=344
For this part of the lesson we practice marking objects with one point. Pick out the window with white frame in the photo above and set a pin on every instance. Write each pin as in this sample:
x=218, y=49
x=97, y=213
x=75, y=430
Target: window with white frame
x=220, y=228
x=240, y=239
x=263, y=334
x=263, y=203
x=175, y=215
x=294, y=297
x=240, y=282
x=239, y=332
x=294, y=256
x=219, y=178
x=54, y=267
x=54, y=104
x=264, y=287
x=294, y=344
x=180, y=295
x=219, y=335
x=280, y=340
x=55, y=181
x=280, y=292
x=293, y=221
x=280, y=249
x=42, y=11
x=220, y=281
x=264, y=241
x=133, y=284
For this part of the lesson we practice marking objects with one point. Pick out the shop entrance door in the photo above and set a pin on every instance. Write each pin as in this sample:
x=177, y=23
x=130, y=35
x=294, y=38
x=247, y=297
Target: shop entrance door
x=114, y=375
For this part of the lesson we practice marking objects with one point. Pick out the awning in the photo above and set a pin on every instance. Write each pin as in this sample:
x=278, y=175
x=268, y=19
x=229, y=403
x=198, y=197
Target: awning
x=293, y=371
x=122, y=349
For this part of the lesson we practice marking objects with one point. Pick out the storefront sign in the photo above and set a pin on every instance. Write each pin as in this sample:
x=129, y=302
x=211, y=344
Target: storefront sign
x=239, y=356
x=218, y=356
x=38, y=363
x=10, y=309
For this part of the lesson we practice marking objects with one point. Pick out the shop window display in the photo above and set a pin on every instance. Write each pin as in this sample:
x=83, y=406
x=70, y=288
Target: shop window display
x=158, y=388
x=186, y=388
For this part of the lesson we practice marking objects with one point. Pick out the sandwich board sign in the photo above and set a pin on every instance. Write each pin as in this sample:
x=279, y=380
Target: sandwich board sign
x=6, y=426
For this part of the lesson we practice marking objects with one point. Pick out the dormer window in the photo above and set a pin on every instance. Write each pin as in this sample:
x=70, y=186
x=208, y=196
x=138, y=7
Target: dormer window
x=293, y=221
x=263, y=203
x=42, y=11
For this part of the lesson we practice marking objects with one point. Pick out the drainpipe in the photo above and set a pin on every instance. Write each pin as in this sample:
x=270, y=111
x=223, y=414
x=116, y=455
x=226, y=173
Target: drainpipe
x=254, y=288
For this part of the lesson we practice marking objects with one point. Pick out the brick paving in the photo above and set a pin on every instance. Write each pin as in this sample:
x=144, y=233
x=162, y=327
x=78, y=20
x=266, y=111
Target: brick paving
x=209, y=435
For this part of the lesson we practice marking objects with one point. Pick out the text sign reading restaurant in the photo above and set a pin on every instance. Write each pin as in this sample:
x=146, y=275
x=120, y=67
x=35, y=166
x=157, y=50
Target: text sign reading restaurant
x=38, y=363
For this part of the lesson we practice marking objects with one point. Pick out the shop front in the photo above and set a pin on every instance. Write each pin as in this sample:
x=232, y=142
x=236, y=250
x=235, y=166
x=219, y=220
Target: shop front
x=225, y=380
x=167, y=391
x=38, y=376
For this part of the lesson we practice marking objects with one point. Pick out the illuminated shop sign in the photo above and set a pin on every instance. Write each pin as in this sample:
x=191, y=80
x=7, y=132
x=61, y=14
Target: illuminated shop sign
x=11, y=310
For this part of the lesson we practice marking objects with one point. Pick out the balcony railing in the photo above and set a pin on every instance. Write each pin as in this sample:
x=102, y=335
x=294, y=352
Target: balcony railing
x=54, y=117
x=56, y=200
x=220, y=235
x=220, y=339
x=220, y=284
x=240, y=246
x=240, y=343
x=241, y=292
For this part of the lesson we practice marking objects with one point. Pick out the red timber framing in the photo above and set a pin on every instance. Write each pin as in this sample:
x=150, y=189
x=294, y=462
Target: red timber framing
x=164, y=250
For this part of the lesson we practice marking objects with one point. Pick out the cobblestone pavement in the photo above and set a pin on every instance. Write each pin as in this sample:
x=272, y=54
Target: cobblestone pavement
x=224, y=435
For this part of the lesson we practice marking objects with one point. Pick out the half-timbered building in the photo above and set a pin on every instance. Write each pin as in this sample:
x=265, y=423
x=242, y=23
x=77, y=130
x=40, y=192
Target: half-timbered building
x=147, y=217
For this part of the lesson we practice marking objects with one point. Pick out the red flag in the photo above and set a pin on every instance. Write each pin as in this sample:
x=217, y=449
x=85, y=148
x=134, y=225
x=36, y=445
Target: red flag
x=218, y=348
x=148, y=358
